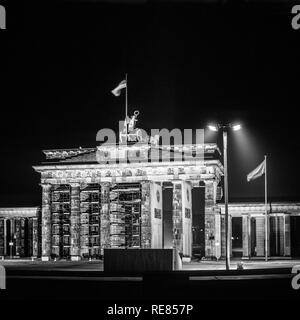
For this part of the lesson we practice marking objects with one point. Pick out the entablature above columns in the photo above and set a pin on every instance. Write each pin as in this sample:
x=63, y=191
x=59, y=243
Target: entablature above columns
x=210, y=170
x=257, y=209
x=25, y=212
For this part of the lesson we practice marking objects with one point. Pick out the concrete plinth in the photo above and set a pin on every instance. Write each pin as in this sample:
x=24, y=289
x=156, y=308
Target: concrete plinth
x=45, y=258
x=75, y=258
x=141, y=260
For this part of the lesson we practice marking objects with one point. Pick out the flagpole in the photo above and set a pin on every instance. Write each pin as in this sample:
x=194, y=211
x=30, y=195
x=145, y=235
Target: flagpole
x=126, y=101
x=266, y=211
x=126, y=107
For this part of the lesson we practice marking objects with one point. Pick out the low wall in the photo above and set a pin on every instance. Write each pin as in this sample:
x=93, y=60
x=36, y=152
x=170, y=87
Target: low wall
x=141, y=260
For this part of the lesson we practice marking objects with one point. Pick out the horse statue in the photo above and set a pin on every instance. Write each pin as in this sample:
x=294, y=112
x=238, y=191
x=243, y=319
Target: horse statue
x=130, y=132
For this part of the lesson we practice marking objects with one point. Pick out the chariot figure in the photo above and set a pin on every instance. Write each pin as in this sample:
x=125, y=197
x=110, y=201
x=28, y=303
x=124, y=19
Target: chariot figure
x=130, y=132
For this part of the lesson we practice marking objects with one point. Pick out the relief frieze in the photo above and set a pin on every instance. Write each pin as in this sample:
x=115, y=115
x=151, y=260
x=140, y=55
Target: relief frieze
x=192, y=172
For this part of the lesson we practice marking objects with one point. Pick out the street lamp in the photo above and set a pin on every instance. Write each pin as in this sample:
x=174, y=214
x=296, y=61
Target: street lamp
x=212, y=128
x=236, y=127
x=225, y=128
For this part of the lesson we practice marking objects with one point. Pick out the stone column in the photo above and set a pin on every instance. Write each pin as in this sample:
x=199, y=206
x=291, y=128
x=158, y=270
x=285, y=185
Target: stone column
x=156, y=214
x=210, y=222
x=230, y=233
x=46, y=221
x=177, y=216
x=18, y=237
x=260, y=236
x=223, y=237
x=5, y=238
x=246, y=242
x=145, y=216
x=75, y=222
x=2, y=237
x=281, y=235
x=35, y=242
x=12, y=249
x=218, y=235
x=187, y=219
x=287, y=236
x=104, y=217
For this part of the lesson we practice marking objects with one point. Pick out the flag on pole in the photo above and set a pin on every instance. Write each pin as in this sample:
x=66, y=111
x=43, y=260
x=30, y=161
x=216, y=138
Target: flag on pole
x=257, y=172
x=120, y=86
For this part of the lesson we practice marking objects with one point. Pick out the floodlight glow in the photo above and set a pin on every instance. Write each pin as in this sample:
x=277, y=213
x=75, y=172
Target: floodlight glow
x=212, y=128
x=236, y=127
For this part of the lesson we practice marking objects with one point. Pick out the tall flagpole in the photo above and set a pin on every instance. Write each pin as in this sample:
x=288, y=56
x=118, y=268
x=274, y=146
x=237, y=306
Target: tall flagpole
x=227, y=235
x=266, y=211
x=126, y=101
x=126, y=107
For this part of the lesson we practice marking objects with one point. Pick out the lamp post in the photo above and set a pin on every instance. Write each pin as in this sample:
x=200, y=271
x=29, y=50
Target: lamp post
x=225, y=128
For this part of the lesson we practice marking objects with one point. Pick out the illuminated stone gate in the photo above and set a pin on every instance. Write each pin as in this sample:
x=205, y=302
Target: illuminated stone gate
x=92, y=201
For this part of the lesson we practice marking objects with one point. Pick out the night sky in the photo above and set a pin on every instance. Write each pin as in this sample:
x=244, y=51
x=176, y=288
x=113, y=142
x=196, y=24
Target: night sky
x=187, y=64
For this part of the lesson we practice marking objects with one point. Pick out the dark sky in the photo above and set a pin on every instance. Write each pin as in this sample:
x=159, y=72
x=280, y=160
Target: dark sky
x=187, y=64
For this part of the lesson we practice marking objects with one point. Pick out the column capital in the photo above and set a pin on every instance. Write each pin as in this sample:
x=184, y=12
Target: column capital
x=209, y=182
x=46, y=186
x=105, y=184
x=74, y=184
x=145, y=181
x=195, y=183
x=157, y=182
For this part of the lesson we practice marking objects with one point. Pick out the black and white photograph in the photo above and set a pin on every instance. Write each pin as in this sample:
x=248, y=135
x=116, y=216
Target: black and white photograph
x=150, y=156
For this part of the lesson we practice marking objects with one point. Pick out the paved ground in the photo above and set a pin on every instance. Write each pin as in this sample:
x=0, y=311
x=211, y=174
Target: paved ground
x=53, y=265
x=247, y=264
x=201, y=281
x=97, y=265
